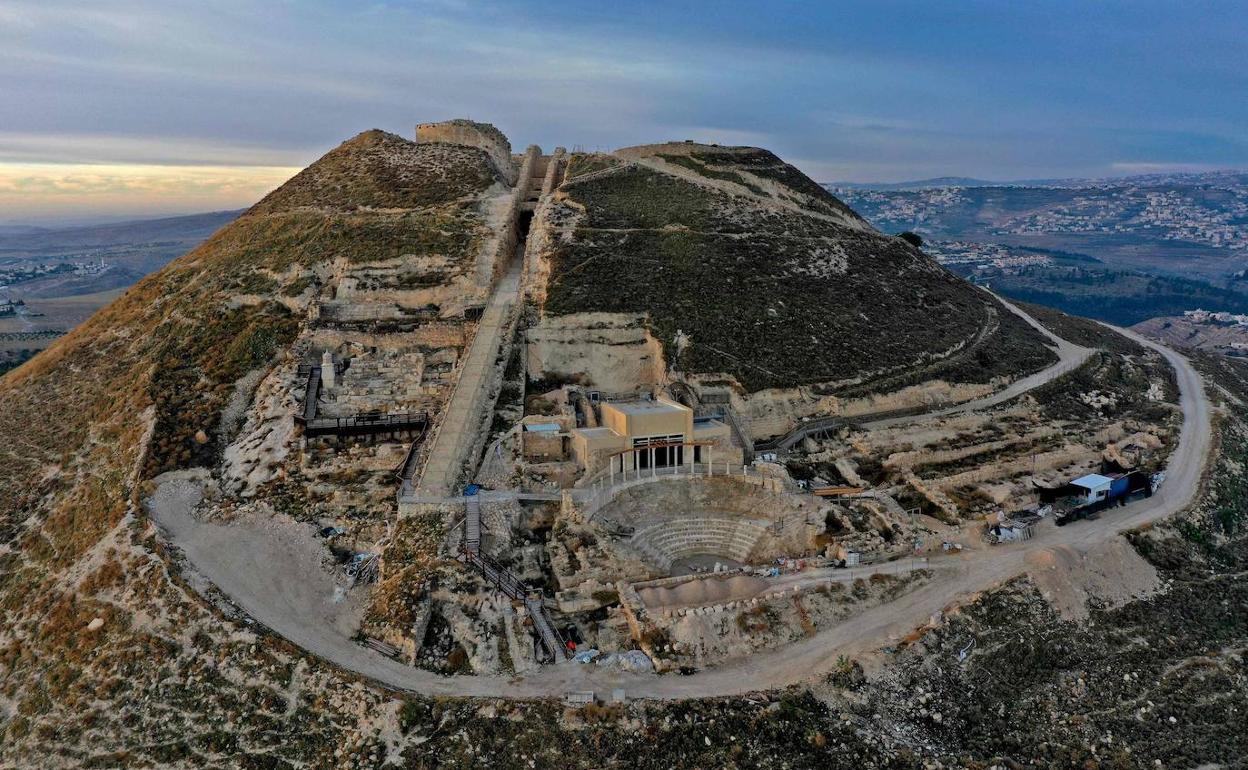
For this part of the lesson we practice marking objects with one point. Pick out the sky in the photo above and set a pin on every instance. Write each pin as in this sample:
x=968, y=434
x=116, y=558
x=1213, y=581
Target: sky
x=133, y=108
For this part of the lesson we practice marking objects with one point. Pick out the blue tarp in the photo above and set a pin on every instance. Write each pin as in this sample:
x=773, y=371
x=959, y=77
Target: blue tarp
x=545, y=427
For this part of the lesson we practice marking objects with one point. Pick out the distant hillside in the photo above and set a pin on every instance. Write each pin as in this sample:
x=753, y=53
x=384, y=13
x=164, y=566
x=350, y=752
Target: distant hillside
x=918, y=184
x=1188, y=225
x=130, y=250
x=21, y=241
x=1124, y=298
x=1162, y=243
x=1210, y=334
x=7, y=230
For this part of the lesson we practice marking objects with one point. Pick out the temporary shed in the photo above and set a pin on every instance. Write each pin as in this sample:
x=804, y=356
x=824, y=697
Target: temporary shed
x=1094, y=486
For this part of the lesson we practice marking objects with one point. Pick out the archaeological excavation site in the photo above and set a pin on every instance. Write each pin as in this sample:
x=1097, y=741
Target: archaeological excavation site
x=630, y=414
x=665, y=423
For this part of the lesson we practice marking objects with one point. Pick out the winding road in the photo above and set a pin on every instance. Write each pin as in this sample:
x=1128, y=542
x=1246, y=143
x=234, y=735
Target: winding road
x=249, y=563
x=1069, y=358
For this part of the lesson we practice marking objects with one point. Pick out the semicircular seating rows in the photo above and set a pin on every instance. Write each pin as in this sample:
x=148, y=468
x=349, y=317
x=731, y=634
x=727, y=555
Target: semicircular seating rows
x=669, y=541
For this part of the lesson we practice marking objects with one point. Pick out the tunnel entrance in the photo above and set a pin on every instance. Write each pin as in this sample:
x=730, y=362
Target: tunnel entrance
x=523, y=222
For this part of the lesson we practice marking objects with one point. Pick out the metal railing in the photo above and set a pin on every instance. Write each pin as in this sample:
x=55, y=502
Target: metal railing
x=496, y=574
x=511, y=586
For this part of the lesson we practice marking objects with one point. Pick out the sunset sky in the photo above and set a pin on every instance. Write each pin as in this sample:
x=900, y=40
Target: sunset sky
x=143, y=108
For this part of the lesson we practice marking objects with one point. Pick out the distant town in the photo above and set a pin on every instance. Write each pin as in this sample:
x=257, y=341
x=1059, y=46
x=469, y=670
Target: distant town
x=1203, y=209
x=26, y=272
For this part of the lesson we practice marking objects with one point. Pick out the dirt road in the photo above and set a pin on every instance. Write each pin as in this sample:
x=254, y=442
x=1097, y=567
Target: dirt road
x=1069, y=358
x=292, y=596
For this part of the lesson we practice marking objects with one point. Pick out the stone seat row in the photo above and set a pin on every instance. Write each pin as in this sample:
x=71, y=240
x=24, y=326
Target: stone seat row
x=664, y=543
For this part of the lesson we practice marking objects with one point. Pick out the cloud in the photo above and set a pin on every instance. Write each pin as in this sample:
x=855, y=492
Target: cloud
x=142, y=150
x=30, y=190
x=852, y=89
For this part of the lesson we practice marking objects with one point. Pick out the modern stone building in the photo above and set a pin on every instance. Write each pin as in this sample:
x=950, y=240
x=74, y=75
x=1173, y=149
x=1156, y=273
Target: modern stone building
x=642, y=435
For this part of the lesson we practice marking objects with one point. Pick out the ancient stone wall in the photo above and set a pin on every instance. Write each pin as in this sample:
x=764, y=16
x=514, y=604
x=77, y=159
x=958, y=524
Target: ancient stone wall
x=507, y=235
x=429, y=335
x=481, y=135
x=775, y=411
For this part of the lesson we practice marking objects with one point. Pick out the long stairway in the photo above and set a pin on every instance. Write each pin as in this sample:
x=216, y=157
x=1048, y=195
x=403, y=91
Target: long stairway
x=455, y=435
x=454, y=440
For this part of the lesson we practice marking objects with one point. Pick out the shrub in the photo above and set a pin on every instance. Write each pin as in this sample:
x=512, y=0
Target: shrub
x=912, y=238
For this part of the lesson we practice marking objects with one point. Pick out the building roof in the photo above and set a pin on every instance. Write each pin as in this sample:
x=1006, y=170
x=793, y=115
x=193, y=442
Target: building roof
x=645, y=407
x=596, y=432
x=707, y=425
x=1092, y=481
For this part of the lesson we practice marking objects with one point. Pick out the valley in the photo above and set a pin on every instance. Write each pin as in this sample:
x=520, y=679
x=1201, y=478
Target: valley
x=1121, y=250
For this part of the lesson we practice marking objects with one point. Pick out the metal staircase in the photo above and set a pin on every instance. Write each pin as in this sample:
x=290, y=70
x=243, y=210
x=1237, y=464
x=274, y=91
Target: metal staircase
x=472, y=524
x=512, y=587
x=545, y=629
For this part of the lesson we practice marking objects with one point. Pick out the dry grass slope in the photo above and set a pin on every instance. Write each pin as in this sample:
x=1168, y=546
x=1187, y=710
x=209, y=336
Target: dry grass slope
x=139, y=389
x=774, y=296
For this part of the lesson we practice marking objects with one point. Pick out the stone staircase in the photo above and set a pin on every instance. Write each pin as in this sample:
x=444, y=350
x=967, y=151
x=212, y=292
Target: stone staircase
x=458, y=430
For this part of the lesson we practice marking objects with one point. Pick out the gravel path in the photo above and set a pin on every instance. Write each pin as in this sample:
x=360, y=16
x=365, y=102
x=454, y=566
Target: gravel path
x=279, y=584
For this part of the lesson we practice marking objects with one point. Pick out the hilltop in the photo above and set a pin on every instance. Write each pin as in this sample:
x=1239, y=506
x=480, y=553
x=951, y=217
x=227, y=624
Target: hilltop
x=238, y=497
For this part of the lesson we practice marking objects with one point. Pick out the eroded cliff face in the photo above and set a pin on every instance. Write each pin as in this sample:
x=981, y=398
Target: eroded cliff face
x=613, y=351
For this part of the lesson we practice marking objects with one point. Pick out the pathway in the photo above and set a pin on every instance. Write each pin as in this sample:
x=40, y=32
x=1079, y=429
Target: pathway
x=456, y=432
x=242, y=565
x=1069, y=358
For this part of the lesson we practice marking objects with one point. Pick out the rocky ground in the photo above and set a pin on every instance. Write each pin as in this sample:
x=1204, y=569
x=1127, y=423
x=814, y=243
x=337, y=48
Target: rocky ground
x=1005, y=681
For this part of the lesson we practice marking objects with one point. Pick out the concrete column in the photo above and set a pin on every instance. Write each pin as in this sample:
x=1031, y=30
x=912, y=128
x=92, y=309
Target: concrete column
x=654, y=471
x=328, y=375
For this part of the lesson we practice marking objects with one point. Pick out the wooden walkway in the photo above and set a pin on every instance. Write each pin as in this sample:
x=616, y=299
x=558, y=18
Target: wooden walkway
x=312, y=393
x=511, y=586
x=367, y=424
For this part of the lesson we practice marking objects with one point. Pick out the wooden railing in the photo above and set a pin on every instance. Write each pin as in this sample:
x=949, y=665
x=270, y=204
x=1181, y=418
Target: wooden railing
x=366, y=424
